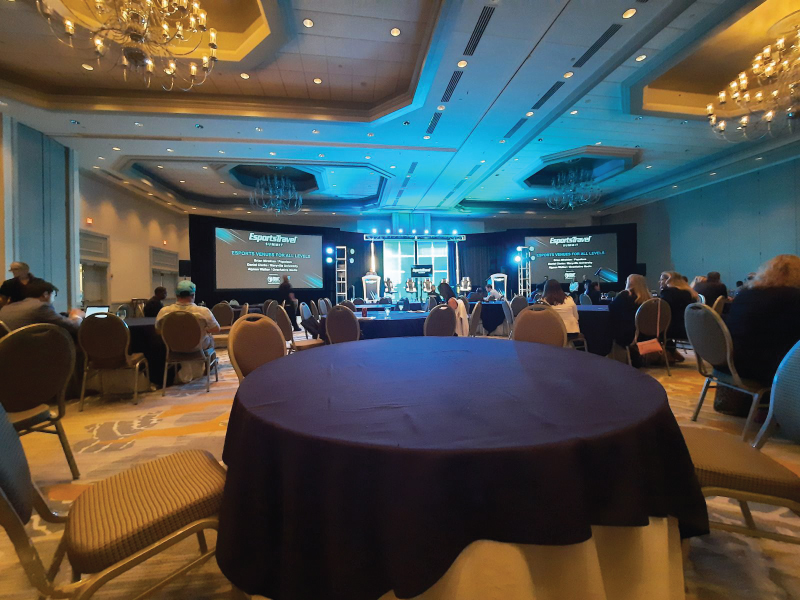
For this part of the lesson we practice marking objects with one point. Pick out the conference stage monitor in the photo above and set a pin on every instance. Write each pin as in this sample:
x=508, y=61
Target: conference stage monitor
x=257, y=260
x=569, y=258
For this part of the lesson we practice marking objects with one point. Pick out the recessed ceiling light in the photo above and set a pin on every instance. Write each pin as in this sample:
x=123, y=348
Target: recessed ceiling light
x=483, y=161
x=461, y=64
x=394, y=31
x=334, y=185
x=138, y=124
x=333, y=213
x=259, y=129
x=529, y=113
x=149, y=193
x=759, y=158
x=2, y=103
x=674, y=186
x=244, y=75
x=649, y=167
x=392, y=166
x=321, y=155
x=441, y=107
x=713, y=173
x=182, y=181
x=367, y=157
x=426, y=137
x=160, y=167
x=74, y=122
x=249, y=212
x=317, y=80
x=573, y=112
x=598, y=143
x=95, y=167
x=235, y=193
x=101, y=158
x=308, y=23
x=198, y=126
x=272, y=154
x=641, y=57
x=629, y=13
x=194, y=208
x=87, y=67
x=502, y=141
x=116, y=149
x=568, y=74
x=370, y=134
x=170, y=150
x=315, y=131
x=333, y=171
x=222, y=182
x=516, y=159
x=221, y=151
x=206, y=168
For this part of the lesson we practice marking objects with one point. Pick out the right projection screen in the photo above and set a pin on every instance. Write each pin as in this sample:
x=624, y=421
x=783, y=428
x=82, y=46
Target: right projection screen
x=569, y=258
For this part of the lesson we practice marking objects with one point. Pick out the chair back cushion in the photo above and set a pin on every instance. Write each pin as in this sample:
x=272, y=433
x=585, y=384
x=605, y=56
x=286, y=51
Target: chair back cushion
x=15, y=477
x=341, y=325
x=36, y=363
x=518, y=304
x=253, y=341
x=585, y=300
x=786, y=394
x=245, y=309
x=475, y=318
x=475, y=297
x=508, y=314
x=223, y=313
x=305, y=312
x=358, y=301
x=708, y=335
x=328, y=303
x=314, y=310
x=104, y=339
x=272, y=310
x=285, y=323
x=349, y=305
x=322, y=307
x=647, y=316
x=719, y=304
x=181, y=332
x=441, y=321
x=541, y=324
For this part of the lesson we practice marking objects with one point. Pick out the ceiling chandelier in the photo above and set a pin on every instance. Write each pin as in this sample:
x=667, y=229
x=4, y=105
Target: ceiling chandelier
x=145, y=36
x=573, y=189
x=276, y=194
x=765, y=99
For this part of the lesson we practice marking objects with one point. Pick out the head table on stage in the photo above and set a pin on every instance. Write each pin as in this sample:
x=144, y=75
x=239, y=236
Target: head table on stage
x=454, y=465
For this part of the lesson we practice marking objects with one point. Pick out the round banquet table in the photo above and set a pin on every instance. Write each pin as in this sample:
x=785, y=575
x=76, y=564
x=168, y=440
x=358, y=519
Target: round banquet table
x=397, y=324
x=376, y=468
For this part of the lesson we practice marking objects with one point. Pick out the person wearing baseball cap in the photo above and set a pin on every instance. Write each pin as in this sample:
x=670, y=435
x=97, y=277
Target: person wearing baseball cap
x=185, y=291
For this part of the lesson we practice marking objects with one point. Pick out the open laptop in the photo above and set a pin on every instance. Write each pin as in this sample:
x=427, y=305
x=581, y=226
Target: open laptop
x=93, y=310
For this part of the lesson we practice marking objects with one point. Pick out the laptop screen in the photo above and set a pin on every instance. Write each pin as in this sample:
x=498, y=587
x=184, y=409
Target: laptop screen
x=93, y=310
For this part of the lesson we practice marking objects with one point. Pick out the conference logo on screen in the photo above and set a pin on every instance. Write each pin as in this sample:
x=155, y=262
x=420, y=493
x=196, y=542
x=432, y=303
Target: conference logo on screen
x=272, y=239
x=570, y=241
x=273, y=279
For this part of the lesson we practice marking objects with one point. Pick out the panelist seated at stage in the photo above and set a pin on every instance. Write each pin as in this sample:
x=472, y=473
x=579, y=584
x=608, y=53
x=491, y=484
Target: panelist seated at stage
x=388, y=286
x=411, y=287
x=372, y=285
x=492, y=294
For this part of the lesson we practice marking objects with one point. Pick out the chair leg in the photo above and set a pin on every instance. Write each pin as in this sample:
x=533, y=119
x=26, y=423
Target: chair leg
x=83, y=389
x=701, y=399
x=666, y=358
x=164, y=386
x=208, y=375
x=136, y=385
x=752, y=413
x=628, y=353
x=201, y=540
x=766, y=431
x=62, y=437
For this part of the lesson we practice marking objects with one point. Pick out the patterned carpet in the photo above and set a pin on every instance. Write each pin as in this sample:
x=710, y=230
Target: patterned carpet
x=112, y=434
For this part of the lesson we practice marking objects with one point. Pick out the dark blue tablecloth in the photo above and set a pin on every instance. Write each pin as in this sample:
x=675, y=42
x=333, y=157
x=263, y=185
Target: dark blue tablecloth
x=356, y=469
x=398, y=324
x=372, y=307
x=594, y=322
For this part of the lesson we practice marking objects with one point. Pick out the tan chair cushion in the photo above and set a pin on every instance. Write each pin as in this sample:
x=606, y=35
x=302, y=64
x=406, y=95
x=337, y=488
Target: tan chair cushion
x=306, y=344
x=127, y=512
x=723, y=460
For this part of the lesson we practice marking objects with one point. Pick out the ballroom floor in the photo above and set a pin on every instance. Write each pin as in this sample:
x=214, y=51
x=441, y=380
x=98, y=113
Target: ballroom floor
x=111, y=435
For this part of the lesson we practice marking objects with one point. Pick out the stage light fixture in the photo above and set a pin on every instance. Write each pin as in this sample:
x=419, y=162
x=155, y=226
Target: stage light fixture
x=374, y=231
x=399, y=231
x=517, y=258
x=455, y=231
x=388, y=231
x=427, y=232
x=329, y=260
x=329, y=250
x=438, y=232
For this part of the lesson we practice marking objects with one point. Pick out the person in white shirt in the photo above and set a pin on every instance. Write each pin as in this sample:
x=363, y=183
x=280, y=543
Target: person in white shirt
x=185, y=302
x=492, y=294
x=564, y=305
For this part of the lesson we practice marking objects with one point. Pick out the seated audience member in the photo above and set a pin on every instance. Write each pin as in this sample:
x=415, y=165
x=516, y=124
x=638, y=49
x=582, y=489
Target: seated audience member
x=764, y=320
x=492, y=294
x=156, y=303
x=13, y=290
x=564, y=305
x=623, y=309
x=711, y=287
x=676, y=292
x=37, y=307
x=734, y=292
x=185, y=302
x=592, y=289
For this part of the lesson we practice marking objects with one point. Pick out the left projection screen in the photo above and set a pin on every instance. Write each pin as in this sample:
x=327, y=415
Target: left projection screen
x=257, y=259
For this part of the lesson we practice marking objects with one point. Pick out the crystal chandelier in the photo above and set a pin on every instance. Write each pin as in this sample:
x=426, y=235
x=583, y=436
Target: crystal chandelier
x=277, y=194
x=573, y=189
x=766, y=98
x=145, y=36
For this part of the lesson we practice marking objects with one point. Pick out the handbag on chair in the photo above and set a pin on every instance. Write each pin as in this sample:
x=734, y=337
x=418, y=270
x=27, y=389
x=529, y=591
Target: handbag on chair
x=652, y=346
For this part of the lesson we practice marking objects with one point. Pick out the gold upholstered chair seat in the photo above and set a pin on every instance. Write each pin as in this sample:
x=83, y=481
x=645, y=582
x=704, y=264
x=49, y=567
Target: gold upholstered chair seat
x=33, y=416
x=307, y=344
x=121, y=515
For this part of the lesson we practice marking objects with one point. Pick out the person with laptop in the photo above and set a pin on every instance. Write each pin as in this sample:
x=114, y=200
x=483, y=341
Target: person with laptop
x=37, y=307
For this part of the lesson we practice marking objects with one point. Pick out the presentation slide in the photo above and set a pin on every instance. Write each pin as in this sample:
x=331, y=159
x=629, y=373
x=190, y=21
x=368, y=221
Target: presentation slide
x=569, y=258
x=256, y=260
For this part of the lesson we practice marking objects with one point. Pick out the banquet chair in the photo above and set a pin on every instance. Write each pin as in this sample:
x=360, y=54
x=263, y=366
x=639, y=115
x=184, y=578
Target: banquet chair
x=431, y=303
x=272, y=310
x=342, y=325
x=712, y=344
x=245, y=309
x=124, y=311
x=648, y=323
x=541, y=324
x=328, y=303
x=314, y=310
x=184, y=337
x=404, y=304
x=234, y=302
x=440, y=322
x=223, y=313
x=784, y=400
x=323, y=307
x=475, y=319
x=701, y=298
x=265, y=306
x=348, y=304
x=4, y=330
x=255, y=340
x=518, y=304
x=508, y=319
x=475, y=297
x=585, y=300
x=105, y=340
x=116, y=523
x=358, y=301
x=36, y=363
x=719, y=305
x=285, y=324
